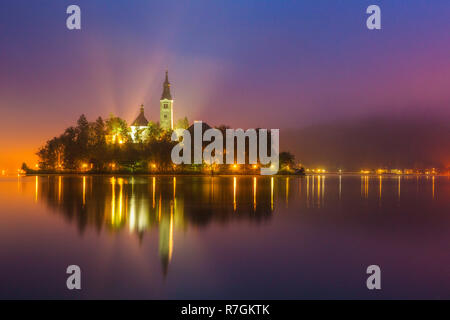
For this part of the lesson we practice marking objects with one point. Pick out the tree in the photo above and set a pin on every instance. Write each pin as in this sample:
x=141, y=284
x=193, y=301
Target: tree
x=287, y=160
x=118, y=130
x=51, y=155
x=97, y=148
x=182, y=123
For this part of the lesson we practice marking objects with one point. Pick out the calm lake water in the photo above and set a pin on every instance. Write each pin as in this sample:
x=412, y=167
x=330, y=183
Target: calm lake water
x=225, y=237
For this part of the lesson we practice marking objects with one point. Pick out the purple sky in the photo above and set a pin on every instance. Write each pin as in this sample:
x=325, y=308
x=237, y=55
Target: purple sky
x=290, y=65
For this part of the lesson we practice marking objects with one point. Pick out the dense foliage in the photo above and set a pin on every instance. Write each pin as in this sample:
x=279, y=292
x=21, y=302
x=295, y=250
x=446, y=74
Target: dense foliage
x=105, y=145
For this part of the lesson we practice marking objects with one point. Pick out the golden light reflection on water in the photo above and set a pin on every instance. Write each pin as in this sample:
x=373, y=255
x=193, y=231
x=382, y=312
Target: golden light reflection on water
x=234, y=193
x=84, y=190
x=380, y=192
x=433, y=187
x=113, y=199
x=366, y=187
x=323, y=190
x=59, y=188
x=318, y=192
x=126, y=202
x=254, y=193
x=36, y=189
x=307, y=191
x=174, y=187
x=153, y=190
x=287, y=192
x=271, y=193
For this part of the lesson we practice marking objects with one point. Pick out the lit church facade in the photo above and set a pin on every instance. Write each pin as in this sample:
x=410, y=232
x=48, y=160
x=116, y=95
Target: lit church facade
x=165, y=112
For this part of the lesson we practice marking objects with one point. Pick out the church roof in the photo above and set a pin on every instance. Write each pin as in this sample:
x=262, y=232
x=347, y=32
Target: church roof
x=141, y=120
x=166, y=88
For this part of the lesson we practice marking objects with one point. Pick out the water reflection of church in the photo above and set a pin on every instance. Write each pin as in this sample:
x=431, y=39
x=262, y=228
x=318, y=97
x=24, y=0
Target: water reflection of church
x=168, y=204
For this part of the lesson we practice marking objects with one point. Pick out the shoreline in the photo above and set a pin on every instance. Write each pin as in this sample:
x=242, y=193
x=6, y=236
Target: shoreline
x=118, y=173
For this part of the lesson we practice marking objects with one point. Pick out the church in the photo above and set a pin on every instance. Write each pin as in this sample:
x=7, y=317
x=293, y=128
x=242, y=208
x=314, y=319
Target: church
x=165, y=112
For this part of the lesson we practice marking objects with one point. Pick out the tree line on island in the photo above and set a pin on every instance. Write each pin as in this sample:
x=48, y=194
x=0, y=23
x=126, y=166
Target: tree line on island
x=108, y=145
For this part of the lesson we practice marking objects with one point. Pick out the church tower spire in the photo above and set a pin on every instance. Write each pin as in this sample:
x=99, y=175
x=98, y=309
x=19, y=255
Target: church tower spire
x=166, y=106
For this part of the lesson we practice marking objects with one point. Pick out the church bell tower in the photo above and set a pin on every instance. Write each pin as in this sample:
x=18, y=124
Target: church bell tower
x=166, y=106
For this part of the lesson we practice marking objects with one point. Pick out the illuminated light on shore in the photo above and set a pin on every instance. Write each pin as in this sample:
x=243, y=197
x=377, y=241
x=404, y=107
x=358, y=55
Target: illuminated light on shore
x=3, y=172
x=235, y=167
x=255, y=166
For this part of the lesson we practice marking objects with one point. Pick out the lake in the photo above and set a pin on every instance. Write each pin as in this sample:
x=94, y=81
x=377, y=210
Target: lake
x=225, y=237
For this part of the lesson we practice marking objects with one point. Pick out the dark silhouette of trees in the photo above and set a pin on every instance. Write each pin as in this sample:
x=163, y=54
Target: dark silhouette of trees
x=105, y=146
